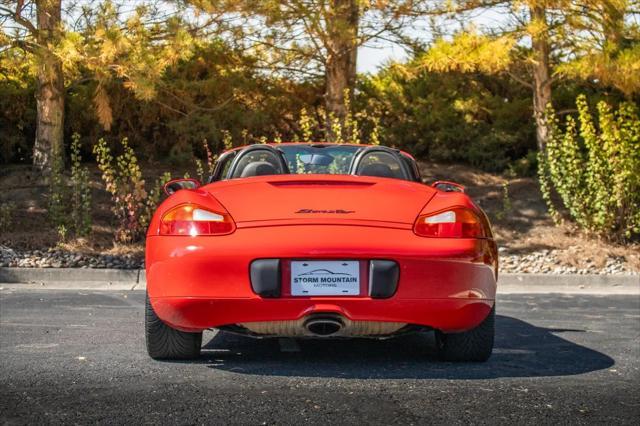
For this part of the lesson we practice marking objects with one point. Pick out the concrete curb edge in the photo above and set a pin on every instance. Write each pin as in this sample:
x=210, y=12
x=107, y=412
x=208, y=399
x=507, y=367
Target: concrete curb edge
x=135, y=279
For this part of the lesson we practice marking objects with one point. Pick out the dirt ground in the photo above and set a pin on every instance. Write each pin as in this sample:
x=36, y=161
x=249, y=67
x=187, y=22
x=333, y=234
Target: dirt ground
x=520, y=221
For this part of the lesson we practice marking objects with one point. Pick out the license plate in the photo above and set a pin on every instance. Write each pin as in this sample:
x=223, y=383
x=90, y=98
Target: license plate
x=325, y=278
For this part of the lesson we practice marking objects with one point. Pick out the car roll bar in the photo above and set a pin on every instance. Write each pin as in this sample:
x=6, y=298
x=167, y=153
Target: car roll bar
x=357, y=159
x=258, y=147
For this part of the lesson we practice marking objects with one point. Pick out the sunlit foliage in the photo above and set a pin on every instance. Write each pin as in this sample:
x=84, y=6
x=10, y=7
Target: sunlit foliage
x=594, y=167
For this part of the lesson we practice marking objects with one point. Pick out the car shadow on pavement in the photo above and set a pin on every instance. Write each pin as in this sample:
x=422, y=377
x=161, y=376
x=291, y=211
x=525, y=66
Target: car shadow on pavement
x=521, y=350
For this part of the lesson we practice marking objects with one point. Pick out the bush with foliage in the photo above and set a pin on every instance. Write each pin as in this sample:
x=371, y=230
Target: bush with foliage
x=17, y=106
x=133, y=206
x=69, y=206
x=7, y=210
x=210, y=163
x=358, y=126
x=198, y=98
x=153, y=199
x=58, y=203
x=594, y=167
x=123, y=180
x=216, y=88
x=476, y=119
x=80, y=191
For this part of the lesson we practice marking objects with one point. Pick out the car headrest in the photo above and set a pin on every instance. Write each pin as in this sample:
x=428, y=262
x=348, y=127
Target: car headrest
x=378, y=170
x=259, y=168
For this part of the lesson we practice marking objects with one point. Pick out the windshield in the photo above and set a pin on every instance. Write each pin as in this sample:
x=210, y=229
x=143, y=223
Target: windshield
x=305, y=159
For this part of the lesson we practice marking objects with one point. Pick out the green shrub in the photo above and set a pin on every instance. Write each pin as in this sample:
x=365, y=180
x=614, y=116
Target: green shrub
x=58, y=203
x=133, y=205
x=450, y=117
x=17, y=109
x=62, y=233
x=526, y=166
x=123, y=180
x=69, y=207
x=595, y=169
x=80, y=191
x=227, y=139
x=210, y=163
x=153, y=199
x=358, y=125
x=7, y=210
x=307, y=125
x=181, y=153
x=507, y=206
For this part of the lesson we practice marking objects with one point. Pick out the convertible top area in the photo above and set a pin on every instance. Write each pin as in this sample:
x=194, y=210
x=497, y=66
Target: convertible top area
x=315, y=158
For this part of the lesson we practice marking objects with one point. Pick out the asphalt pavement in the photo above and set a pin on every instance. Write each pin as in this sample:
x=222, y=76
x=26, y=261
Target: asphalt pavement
x=78, y=357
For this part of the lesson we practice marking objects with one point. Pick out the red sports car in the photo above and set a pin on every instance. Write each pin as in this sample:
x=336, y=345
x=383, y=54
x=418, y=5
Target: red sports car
x=319, y=240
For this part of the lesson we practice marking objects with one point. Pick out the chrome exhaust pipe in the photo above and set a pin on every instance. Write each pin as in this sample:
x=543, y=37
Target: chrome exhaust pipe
x=323, y=326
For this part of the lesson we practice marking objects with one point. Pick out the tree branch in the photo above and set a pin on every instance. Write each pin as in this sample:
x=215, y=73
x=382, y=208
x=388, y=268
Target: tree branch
x=520, y=80
x=17, y=16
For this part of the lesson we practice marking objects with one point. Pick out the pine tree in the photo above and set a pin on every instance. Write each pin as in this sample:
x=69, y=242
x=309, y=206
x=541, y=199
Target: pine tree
x=544, y=41
x=317, y=39
x=108, y=45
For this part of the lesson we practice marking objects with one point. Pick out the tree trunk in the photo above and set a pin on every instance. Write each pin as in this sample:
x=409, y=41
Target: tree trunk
x=541, y=76
x=48, y=146
x=340, y=66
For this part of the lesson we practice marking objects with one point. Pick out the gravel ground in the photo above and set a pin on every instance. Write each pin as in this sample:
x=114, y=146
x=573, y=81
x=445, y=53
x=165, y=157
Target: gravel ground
x=548, y=262
x=538, y=262
x=53, y=258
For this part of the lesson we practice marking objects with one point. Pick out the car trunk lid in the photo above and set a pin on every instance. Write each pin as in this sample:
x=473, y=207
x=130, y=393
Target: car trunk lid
x=321, y=198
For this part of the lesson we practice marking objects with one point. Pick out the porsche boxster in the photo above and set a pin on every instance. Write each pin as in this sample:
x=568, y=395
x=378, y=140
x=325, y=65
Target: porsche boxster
x=319, y=240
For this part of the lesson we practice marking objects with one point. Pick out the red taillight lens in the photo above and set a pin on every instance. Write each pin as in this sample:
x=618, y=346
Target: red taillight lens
x=454, y=223
x=193, y=220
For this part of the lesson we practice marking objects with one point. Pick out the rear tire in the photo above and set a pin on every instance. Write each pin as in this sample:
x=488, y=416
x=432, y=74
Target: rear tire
x=474, y=345
x=164, y=342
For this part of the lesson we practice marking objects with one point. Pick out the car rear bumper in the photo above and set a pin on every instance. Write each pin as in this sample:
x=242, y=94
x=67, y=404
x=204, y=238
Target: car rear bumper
x=194, y=314
x=195, y=283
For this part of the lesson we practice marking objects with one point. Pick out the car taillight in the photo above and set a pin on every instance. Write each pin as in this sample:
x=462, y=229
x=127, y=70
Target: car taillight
x=454, y=223
x=193, y=220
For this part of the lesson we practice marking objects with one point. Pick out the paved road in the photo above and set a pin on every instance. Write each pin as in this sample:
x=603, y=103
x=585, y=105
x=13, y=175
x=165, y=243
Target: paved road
x=78, y=357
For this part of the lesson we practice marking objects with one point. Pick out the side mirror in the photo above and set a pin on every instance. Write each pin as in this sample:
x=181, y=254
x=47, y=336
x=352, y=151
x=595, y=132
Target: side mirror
x=176, y=185
x=446, y=186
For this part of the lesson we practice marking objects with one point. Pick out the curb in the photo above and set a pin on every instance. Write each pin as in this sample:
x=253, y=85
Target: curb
x=570, y=284
x=36, y=275
x=134, y=279
x=73, y=278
